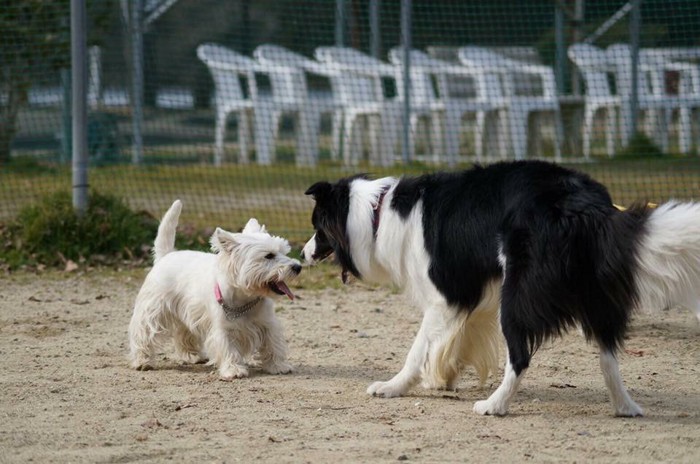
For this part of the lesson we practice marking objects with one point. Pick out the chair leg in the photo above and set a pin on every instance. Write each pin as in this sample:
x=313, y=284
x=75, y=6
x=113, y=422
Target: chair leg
x=436, y=136
x=518, y=131
x=243, y=134
x=265, y=133
x=624, y=124
x=348, y=145
x=414, y=126
x=374, y=133
x=558, y=134
x=219, y=134
x=307, y=137
x=685, y=130
x=453, y=119
x=663, y=122
x=657, y=126
x=502, y=140
x=389, y=123
x=588, y=118
x=695, y=128
x=336, y=134
x=611, y=130
x=480, y=134
x=534, y=133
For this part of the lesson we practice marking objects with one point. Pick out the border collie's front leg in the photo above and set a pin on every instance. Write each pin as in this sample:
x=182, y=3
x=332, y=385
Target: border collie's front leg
x=410, y=374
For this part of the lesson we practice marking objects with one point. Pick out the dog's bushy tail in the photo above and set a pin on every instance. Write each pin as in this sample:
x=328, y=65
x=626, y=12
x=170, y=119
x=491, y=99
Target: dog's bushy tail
x=669, y=258
x=165, y=240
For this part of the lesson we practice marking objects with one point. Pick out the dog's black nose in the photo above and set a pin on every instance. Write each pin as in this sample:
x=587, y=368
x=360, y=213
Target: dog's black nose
x=296, y=268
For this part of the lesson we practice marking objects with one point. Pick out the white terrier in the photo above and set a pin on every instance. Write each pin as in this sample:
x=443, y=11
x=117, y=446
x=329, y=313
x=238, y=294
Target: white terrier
x=215, y=306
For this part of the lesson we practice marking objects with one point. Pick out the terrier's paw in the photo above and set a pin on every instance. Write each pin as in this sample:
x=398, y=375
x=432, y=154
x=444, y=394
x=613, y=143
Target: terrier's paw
x=385, y=389
x=233, y=372
x=281, y=367
x=629, y=410
x=255, y=363
x=141, y=363
x=433, y=385
x=190, y=358
x=489, y=408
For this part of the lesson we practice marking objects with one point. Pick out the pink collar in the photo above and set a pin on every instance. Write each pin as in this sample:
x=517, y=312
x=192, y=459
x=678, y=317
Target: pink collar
x=377, y=209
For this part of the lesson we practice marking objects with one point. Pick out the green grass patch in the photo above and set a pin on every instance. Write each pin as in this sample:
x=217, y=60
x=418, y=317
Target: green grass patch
x=50, y=232
x=227, y=196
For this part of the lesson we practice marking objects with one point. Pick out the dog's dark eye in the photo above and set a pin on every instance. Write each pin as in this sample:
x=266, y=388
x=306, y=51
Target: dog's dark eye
x=270, y=256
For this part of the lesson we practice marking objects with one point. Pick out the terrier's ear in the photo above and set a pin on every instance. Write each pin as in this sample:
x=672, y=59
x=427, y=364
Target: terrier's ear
x=319, y=190
x=223, y=241
x=254, y=226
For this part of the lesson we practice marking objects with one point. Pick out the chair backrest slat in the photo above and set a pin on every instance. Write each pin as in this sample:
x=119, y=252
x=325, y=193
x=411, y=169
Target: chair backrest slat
x=593, y=65
x=227, y=68
x=352, y=85
x=285, y=70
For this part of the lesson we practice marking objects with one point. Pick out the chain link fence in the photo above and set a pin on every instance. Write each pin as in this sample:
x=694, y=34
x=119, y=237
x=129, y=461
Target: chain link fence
x=237, y=106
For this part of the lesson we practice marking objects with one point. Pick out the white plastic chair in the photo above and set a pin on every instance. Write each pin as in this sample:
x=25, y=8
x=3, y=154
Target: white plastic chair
x=689, y=96
x=521, y=105
x=688, y=93
x=227, y=68
x=452, y=108
x=287, y=72
x=651, y=90
x=592, y=63
x=424, y=101
x=358, y=91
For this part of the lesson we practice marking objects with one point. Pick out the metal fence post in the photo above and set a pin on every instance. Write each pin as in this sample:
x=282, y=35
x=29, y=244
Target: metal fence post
x=375, y=36
x=560, y=51
x=635, y=28
x=340, y=17
x=79, y=104
x=137, y=79
x=406, y=44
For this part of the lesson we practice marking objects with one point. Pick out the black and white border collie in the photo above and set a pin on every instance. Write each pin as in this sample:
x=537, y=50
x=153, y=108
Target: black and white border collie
x=531, y=245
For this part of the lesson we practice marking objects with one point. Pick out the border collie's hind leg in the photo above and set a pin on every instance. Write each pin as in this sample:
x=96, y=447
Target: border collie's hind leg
x=622, y=403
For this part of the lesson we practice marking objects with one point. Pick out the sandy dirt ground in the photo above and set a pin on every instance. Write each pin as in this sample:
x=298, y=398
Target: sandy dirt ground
x=67, y=395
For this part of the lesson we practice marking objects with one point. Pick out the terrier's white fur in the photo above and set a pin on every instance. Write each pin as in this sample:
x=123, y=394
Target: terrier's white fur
x=178, y=300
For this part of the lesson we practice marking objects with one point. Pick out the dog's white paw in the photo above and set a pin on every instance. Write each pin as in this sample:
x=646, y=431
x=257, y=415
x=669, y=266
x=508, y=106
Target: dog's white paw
x=433, y=385
x=278, y=368
x=490, y=408
x=385, y=389
x=233, y=372
x=190, y=358
x=629, y=410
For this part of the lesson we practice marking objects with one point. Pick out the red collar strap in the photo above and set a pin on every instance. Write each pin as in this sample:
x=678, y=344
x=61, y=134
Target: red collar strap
x=377, y=210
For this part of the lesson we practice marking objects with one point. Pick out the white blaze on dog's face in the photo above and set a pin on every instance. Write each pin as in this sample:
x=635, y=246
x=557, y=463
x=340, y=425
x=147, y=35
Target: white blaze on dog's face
x=309, y=250
x=255, y=260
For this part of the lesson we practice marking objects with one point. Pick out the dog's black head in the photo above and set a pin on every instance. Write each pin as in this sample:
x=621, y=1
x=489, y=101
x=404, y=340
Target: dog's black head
x=329, y=219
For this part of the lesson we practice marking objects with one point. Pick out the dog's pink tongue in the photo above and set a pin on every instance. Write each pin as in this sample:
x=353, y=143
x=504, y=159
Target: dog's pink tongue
x=282, y=286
